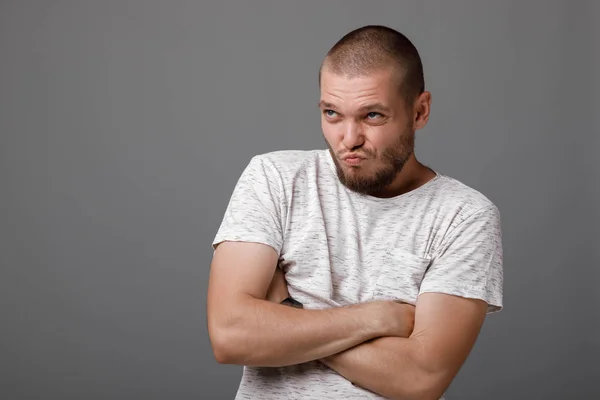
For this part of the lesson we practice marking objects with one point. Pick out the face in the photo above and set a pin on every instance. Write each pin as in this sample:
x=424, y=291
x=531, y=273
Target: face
x=369, y=128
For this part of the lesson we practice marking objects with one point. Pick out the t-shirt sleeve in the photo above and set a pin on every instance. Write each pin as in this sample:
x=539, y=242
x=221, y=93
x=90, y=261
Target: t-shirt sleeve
x=469, y=260
x=255, y=209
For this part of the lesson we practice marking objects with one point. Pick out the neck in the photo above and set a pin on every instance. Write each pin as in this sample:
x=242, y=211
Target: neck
x=413, y=175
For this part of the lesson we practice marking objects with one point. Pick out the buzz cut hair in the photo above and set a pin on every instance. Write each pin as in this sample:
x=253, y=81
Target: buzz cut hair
x=374, y=48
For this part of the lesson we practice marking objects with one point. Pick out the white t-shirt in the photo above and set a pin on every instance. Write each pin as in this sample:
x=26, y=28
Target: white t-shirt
x=339, y=247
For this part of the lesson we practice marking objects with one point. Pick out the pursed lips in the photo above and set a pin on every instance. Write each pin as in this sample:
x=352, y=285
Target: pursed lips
x=353, y=159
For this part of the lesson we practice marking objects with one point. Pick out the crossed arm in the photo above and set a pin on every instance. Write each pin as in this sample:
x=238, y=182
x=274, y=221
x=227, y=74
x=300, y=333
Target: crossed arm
x=373, y=345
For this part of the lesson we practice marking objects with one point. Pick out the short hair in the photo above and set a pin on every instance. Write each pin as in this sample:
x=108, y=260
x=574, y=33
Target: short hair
x=376, y=47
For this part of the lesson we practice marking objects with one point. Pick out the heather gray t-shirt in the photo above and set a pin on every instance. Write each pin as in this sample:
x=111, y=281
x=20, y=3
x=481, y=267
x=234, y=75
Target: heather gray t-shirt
x=339, y=247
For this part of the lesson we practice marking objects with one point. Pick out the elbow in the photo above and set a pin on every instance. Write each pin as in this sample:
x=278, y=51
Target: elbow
x=219, y=345
x=224, y=342
x=224, y=347
x=431, y=377
x=223, y=355
x=417, y=392
x=426, y=386
x=423, y=393
x=230, y=333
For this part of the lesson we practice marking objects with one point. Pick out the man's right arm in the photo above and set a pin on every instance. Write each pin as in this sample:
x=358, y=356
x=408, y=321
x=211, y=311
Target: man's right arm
x=246, y=329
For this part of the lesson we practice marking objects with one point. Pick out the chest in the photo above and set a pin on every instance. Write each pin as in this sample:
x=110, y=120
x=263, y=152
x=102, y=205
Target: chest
x=344, y=252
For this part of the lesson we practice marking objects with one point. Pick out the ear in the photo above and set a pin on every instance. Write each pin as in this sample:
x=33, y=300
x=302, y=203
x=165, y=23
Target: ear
x=421, y=110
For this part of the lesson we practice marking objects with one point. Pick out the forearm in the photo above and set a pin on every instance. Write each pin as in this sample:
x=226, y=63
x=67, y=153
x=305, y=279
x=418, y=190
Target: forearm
x=262, y=333
x=390, y=367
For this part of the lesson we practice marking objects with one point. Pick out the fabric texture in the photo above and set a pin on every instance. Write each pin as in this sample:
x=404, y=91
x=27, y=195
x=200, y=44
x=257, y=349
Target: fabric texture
x=338, y=247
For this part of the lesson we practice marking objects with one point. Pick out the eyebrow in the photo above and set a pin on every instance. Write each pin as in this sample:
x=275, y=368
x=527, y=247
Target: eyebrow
x=324, y=104
x=365, y=108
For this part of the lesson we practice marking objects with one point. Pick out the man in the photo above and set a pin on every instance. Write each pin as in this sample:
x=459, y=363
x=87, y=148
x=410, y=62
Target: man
x=390, y=266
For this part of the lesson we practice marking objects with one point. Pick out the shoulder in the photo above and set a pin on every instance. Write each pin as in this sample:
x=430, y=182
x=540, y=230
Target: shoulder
x=287, y=164
x=288, y=159
x=463, y=201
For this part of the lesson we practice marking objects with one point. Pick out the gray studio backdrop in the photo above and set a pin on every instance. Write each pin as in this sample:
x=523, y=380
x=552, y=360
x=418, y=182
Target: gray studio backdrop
x=124, y=126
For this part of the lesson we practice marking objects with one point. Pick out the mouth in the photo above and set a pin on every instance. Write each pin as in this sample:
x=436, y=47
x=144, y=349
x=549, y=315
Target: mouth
x=353, y=159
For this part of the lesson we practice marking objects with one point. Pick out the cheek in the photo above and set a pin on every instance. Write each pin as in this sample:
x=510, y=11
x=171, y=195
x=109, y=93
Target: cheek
x=332, y=133
x=380, y=137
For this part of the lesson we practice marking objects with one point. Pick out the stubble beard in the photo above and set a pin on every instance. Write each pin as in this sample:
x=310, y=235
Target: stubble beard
x=391, y=162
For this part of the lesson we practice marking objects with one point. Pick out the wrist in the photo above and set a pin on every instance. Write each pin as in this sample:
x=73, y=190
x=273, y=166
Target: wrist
x=379, y=318
x=370, y=319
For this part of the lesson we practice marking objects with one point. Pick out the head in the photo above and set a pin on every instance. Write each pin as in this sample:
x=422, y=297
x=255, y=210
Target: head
x=372, y=101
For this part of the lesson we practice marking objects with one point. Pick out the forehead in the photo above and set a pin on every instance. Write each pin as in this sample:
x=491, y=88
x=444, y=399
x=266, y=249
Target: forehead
x=357, y=90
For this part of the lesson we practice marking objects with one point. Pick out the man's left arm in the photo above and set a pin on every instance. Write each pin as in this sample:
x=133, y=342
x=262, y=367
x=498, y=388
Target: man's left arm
x=423, y=365
x=462, y=285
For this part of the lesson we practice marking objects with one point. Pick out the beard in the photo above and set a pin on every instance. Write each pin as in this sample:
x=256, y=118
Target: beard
x=387, y=166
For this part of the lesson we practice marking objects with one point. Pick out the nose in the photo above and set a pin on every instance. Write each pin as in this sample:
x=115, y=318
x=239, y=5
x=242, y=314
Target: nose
x=353, y=135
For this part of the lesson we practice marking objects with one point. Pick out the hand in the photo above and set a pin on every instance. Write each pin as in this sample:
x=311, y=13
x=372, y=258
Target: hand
x=277, y=291
x=397, y=318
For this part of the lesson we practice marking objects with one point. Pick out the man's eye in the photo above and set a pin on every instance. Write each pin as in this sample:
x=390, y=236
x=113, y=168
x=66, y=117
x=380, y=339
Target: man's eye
x=373, y=115
x=330, y=113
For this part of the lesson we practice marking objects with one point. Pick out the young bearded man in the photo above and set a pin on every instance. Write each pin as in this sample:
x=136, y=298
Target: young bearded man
x=354, y=272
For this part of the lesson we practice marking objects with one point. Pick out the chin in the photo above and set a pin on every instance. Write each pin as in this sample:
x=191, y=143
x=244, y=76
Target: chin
x=357, y=177
x=356, y=172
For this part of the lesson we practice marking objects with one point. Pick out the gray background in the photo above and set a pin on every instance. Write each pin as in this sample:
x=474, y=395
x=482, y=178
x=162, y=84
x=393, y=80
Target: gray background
x=124, y=126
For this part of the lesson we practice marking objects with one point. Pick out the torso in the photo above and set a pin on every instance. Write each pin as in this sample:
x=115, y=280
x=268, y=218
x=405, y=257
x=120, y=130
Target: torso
x=343, y=248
